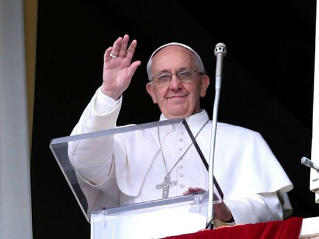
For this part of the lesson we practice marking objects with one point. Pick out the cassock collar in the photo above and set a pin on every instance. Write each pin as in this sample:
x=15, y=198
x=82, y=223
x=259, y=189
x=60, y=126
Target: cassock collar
x=194, y=121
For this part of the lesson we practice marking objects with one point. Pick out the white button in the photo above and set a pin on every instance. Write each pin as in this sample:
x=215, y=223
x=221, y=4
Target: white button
x=180, y=139
x=180, y=149
x=181, y=175
x=180, y=166
x=181, y=185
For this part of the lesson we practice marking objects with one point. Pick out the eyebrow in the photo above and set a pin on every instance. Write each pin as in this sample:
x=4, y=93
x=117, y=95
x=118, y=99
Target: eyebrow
x=162, y=72
x=167, y=71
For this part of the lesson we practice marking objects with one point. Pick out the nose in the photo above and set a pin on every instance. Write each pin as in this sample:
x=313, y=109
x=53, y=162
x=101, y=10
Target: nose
x=175, y=83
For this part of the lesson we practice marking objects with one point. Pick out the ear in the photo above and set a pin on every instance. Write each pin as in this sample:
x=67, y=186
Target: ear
x=150, y=91
x=204, y=85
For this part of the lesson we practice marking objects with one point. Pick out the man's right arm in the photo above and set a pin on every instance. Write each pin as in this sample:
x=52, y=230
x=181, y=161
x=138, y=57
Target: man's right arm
x=93, y=158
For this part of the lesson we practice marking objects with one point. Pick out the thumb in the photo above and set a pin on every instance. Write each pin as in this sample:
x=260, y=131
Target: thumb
x=132, y=68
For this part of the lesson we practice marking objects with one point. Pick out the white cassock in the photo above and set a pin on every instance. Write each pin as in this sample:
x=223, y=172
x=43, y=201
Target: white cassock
x=126, y=168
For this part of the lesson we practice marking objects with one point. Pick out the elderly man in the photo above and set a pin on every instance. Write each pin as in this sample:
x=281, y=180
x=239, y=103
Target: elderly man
x=129, y=168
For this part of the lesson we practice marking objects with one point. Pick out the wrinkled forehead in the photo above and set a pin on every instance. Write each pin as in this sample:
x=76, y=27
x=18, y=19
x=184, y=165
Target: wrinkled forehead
x=197, y=59
x=172, y=58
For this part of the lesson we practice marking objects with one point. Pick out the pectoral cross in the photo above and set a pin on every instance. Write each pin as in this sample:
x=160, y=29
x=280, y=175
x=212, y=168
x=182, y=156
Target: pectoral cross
x=166, y=186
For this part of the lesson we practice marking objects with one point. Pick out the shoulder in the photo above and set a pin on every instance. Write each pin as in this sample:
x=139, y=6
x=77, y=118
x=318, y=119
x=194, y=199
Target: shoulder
x=238, y=132
x=234, y=128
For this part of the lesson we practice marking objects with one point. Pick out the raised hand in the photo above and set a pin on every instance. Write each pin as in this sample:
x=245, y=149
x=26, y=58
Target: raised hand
x=118, y=69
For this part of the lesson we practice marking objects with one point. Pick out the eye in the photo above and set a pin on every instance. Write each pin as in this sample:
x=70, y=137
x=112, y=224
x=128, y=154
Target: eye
x=184, y=74
x=164, y=77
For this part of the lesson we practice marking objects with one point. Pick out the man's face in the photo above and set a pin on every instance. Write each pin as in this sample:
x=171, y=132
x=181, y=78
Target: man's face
x=177, y=99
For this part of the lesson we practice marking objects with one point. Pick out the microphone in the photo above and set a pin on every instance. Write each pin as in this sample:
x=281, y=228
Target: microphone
x=220, y=52
x=308, y=163
x=220, y=48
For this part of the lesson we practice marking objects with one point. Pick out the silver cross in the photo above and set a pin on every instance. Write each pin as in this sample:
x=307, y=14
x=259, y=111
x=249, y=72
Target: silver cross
x=166, y=186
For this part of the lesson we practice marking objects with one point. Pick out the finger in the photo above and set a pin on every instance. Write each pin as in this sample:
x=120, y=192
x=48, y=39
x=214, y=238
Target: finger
x=132, y=68
x=116, y=46
x=186, y=193
x=123, y=46
x=199, y=190
x=107, y=54
x=131, y=49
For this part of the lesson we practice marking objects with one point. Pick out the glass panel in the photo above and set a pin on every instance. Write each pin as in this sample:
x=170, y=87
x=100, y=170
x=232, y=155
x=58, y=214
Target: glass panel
x=87, y=163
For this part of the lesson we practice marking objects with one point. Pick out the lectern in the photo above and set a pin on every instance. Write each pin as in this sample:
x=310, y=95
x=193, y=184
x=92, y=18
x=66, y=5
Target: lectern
x=148, y=219
x=155, y=219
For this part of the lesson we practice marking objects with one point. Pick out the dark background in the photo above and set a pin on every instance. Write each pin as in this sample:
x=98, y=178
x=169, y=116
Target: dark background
x=267, y=83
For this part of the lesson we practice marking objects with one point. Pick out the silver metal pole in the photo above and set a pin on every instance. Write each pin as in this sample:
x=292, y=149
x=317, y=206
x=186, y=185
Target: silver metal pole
x=220, y=52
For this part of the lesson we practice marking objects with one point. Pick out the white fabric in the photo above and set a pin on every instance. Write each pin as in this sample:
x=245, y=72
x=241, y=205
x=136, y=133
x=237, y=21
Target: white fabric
x=245, y=167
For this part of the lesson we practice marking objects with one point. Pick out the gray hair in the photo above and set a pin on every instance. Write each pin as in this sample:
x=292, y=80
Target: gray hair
x=198, y=60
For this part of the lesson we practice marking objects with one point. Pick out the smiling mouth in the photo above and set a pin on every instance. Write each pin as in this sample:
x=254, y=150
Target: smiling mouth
x=175, y=96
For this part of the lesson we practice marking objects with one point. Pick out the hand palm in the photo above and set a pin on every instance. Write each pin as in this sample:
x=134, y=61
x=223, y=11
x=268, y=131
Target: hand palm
x=117, y=75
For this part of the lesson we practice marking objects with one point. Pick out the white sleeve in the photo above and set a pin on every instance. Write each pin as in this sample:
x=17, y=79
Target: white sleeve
x=256, y=208
x=103, y=104
x=92, y=158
